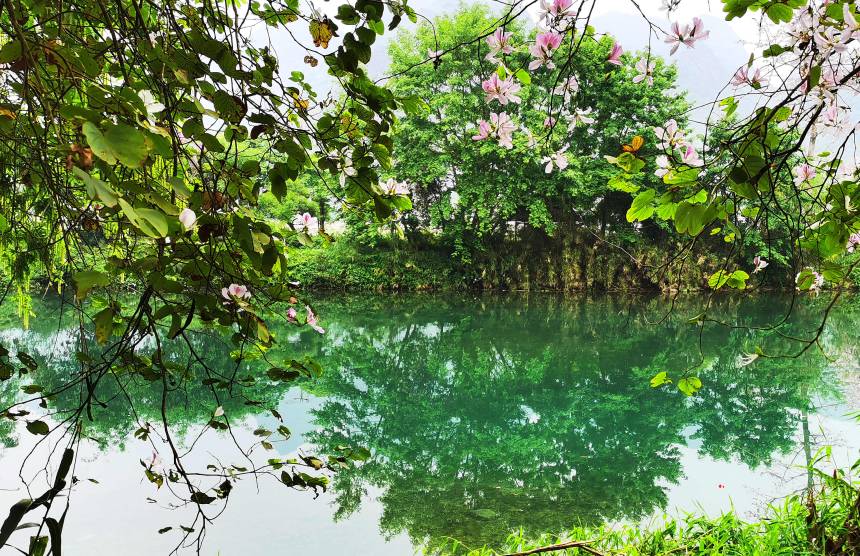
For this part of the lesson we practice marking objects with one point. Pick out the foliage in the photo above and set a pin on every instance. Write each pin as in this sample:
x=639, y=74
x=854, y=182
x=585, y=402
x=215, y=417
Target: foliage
x=474, y=192
x=824, y=523
x=130, y=143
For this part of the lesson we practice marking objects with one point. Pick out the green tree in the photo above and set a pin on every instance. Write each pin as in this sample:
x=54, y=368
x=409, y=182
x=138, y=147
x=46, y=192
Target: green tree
x=494, y=186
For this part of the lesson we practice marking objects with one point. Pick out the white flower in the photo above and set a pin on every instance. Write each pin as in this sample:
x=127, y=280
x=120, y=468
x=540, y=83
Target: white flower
x=557, y=159
x=187, y=218
x=305, y=223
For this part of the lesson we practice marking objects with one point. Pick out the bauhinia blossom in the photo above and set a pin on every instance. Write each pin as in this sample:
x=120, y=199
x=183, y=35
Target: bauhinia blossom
x=235, y=291
x=615, y=54
x=552, y=11
x=394, y=187
x=759, y=264
x=662, y=162
x=557, y=159
x=305, y=223
x=579, y=116
x=187, y=218
x=853, y=242
x=831, y=40
x=743, y=77
x=567, y=88
x=646, y=72
x=545, y=44
x=686, y=35
x=803, y=173
x=500, y=126
x=312, y=320
x=850, y=19
x=499, y=42
x=690, y=157
x=670, y=135
x=502, y=90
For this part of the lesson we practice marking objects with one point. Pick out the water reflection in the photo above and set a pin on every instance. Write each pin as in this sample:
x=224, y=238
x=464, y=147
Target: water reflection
x=537, y=413
x=490, y=414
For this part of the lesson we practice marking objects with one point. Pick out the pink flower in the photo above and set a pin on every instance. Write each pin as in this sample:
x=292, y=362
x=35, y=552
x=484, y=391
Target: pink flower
x=187, y=218
x=853, y=242
x=803, y=173
x=615, y=54
x=688, y=35
x=312, y=320
x=568, y=87
x=235, y=291
x=579, y=116
x=690, y=157
x=662, y=162
x=542, y=49
x=549, y=121
x=499, y=41
x=675, y=37
x=435, y=55
x=853, y=29
x=394, y=187
x=557, y=159
x=831, y=41
x=831, y=115
x=504, y=129
x=646, y=72
x=554, y=11
x=305, y=223
x=484, y=131
x=501, y=126
x=503, y=90
x=670, y=135
x=742, y=77
x=291, y=314
x=759, y=264
x=697, y=33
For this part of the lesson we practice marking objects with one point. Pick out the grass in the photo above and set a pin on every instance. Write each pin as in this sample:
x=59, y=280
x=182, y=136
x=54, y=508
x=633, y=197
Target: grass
x=825, y=522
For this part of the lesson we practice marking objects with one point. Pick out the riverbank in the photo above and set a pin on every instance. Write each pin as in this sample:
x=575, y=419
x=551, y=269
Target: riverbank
x=826, y=522
x=570, y=268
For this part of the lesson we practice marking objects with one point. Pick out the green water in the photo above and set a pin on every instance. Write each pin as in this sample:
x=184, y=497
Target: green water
x=482, y=415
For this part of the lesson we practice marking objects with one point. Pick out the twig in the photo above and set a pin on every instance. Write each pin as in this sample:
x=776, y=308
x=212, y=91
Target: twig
x=582, y=545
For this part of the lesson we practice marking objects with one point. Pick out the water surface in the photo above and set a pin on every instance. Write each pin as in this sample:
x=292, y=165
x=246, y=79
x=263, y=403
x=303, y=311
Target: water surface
x=482, y=415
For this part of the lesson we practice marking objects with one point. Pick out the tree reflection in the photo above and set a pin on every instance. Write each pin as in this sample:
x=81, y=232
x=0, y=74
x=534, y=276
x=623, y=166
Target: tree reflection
x=488, y=416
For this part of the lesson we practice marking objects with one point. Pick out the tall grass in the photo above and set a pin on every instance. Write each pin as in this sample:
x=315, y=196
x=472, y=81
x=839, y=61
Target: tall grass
x=822, y=521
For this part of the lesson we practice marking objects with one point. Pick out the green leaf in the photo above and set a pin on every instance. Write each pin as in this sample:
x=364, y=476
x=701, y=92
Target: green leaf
x=127, y=144
x=681, y=175
x=621, y=182
x=642, y=207
x=98, y=143
x=96, y=188
x=119, y=142
x=10, y=52
x=38, y=427
x=689, y=385
x=779, y=13
x=660, y=379
x=523, y=76
x=87, y=280
x=156, y=218
x=104, y=325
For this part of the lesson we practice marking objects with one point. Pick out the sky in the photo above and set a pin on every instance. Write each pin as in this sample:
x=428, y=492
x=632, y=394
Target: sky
x=703, y=71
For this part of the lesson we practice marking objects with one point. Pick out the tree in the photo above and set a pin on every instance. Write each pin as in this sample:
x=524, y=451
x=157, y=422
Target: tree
x=129, y=137
x=476, y=192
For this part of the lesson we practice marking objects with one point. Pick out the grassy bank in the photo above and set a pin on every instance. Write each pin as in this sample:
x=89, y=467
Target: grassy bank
x=824, y=524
